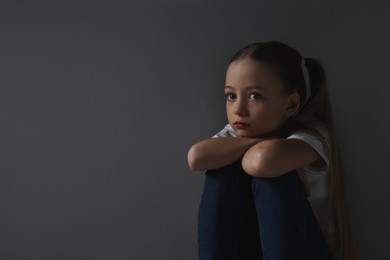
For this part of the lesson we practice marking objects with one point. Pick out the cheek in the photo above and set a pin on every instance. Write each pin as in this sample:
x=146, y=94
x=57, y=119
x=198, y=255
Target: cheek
x=267, y=115
x=229, y=111
x=262, y=112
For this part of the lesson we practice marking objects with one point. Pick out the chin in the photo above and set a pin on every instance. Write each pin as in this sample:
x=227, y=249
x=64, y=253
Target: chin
x=245, y=134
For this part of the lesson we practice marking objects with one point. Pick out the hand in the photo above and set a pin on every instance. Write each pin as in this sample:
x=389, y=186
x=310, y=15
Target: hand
x=303, y=177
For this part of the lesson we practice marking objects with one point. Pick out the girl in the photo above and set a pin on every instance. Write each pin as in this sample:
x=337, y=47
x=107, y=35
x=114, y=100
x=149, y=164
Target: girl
x=274, y=186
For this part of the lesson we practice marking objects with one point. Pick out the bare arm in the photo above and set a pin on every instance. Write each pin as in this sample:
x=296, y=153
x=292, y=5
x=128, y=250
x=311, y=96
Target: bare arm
x=272, y=158
x=214, y=153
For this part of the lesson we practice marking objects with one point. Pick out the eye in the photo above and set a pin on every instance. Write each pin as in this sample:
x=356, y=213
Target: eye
x=255, y=96
x=230, y=96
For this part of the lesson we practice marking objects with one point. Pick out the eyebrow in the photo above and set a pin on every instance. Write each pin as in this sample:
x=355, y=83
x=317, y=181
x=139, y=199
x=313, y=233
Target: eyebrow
x=249, y=87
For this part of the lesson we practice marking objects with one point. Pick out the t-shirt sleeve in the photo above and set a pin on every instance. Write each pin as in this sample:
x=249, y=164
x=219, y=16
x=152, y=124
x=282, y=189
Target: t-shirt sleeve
x=314, y=142
x=227, y=131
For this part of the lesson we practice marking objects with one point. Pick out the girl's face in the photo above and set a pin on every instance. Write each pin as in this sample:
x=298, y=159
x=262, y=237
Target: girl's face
x=256, y=104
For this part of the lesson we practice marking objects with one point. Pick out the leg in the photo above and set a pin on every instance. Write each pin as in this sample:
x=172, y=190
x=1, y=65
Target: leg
x=227, y=224
x=316, y=246
x=288, y=228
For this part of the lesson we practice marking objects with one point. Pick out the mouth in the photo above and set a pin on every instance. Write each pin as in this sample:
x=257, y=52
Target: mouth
x=241, y=125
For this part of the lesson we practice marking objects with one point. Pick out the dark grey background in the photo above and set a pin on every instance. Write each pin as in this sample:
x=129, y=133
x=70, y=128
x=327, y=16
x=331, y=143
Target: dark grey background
x=100, y=101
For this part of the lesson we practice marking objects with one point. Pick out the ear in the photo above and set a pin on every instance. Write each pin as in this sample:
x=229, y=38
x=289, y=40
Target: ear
x=293, y=102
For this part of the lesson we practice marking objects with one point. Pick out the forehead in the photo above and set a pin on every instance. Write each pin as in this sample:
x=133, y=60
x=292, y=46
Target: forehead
x=247, y=72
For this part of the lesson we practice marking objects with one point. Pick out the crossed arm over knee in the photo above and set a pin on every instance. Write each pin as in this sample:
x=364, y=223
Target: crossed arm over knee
x=260, y=157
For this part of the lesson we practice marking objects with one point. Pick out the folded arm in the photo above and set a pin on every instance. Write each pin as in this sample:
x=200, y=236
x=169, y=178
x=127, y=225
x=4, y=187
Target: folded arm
x=214, y=153
x=272, y=158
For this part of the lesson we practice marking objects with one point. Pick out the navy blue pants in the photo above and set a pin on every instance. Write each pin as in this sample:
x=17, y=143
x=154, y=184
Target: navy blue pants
x=246, y=218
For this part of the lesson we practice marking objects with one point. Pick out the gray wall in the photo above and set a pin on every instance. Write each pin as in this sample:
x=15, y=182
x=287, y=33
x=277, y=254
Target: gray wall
x=100, y=101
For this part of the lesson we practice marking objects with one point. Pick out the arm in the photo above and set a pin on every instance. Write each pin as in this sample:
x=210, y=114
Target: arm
x=272, y=158
x=214, y=153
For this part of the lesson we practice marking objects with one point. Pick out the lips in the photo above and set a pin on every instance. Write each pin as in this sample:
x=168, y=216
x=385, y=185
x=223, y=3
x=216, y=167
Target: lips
x=239, y=124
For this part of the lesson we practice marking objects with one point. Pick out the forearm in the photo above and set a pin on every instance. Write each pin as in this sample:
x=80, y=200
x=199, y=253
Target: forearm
x=255, y=161
x=273, y=158
x=214, y=153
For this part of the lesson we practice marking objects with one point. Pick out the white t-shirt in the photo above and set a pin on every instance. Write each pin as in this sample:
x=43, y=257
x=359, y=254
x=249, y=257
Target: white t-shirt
x=317, y=177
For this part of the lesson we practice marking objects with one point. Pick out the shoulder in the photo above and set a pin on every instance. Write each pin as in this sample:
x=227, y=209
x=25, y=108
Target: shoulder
x=315, y=142
x=320, y=127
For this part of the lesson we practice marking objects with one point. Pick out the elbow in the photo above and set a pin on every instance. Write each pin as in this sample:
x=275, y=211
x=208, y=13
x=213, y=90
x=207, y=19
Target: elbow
x=194, y=158
x=256, y=163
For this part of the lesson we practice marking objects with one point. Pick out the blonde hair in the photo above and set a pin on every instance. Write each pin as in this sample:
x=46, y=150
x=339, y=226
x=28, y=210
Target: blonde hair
x=285, y=61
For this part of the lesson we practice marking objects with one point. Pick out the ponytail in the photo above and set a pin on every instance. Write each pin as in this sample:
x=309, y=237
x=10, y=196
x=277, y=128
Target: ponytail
x=318, y=108
x=317, y=86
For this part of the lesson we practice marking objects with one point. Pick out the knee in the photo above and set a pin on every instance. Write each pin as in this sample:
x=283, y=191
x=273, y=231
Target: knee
x=231, y=175
x=288, y=181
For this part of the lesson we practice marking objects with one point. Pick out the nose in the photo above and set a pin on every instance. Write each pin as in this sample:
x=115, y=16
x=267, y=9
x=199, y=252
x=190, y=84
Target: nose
x=241, y=108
